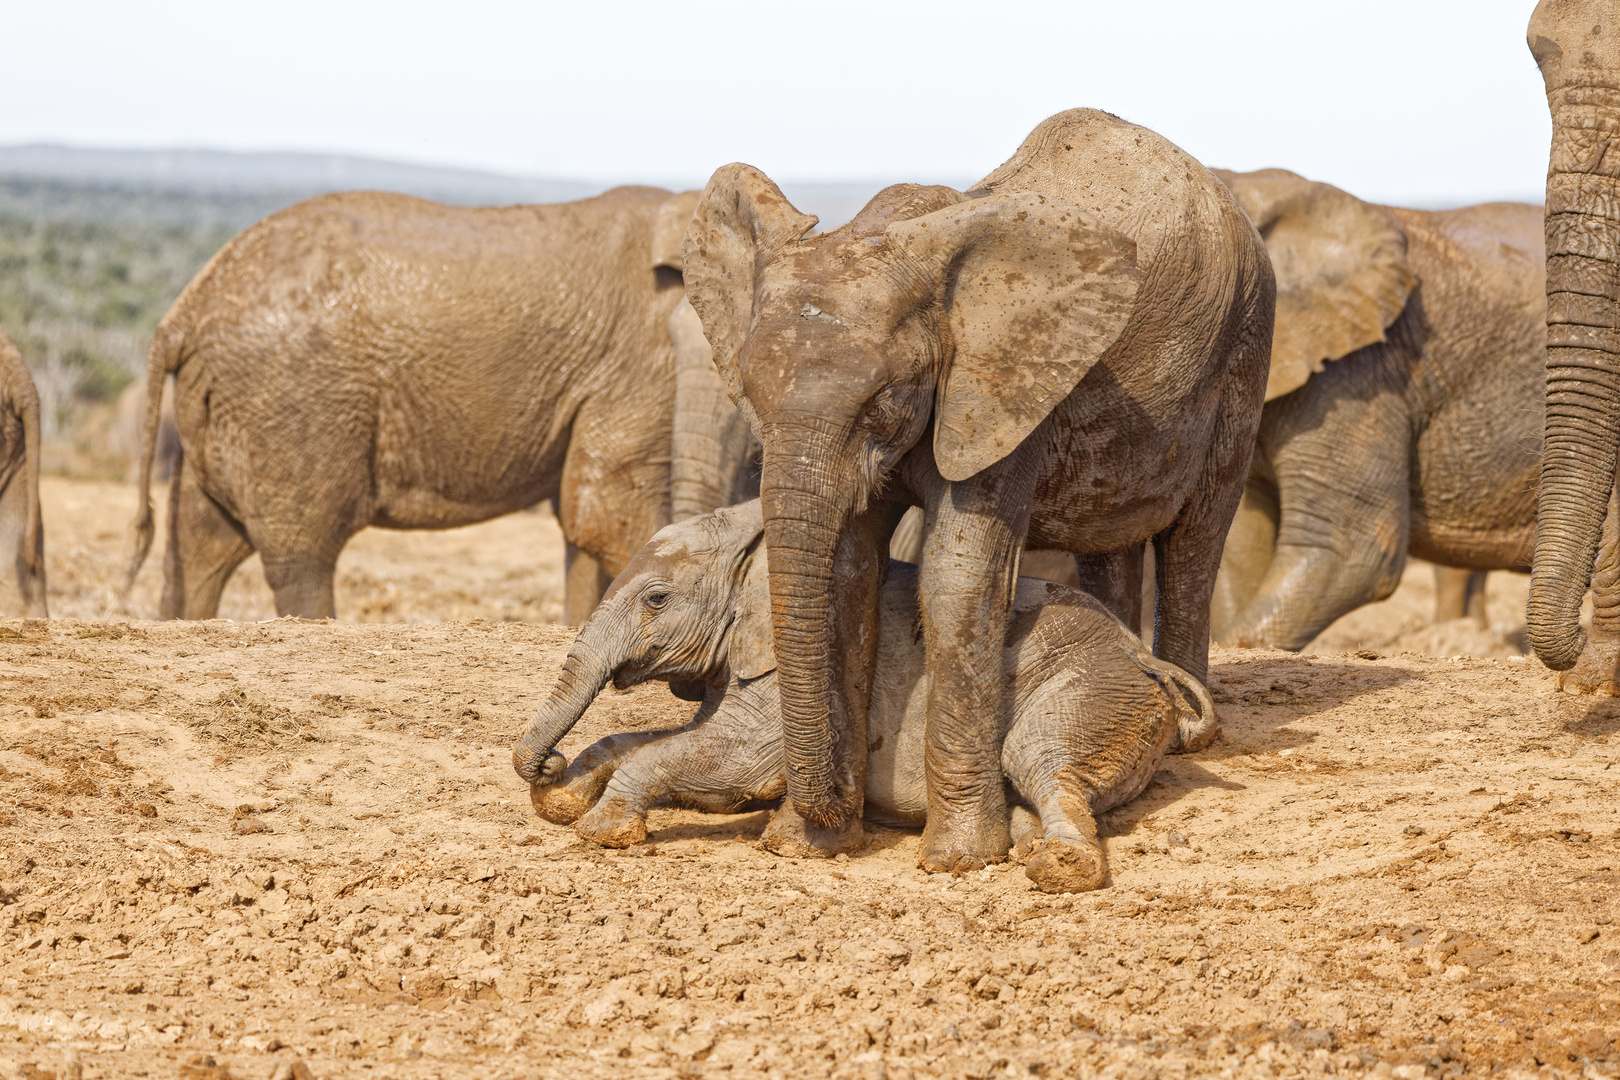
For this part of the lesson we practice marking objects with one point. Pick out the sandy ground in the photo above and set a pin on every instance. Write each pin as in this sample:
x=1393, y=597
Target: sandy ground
x=224, y=844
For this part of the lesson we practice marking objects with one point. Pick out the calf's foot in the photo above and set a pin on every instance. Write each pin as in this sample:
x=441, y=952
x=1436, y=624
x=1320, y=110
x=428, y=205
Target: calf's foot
x=613, y=823
x=1058, y=866
x=792, y=837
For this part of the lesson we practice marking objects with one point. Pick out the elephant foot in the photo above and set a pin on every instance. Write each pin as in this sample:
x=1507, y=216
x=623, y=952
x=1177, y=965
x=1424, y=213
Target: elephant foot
x=1059, y=867
x=956, y=844
x=563, y=804
x=1594, y=672
x=1027, y=833
x=547, y=767
x=792, y=837
x=613, y=823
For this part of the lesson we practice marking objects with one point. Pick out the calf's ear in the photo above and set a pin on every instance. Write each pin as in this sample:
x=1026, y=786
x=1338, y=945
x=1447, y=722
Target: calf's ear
x=1035, y=291
x=750, y=649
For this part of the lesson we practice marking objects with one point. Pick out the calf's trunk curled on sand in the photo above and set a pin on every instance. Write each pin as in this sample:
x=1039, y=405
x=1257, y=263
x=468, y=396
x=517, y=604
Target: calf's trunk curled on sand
x=587, y=670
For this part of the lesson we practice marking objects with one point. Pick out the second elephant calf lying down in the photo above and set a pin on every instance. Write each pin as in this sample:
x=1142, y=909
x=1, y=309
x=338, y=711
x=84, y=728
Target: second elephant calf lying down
x=1090, y=712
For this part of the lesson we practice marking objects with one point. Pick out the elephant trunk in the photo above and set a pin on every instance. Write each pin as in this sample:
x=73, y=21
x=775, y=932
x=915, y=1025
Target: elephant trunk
x=802, y=534
x=1583, y=375
x=587, y=670
x=709, y=445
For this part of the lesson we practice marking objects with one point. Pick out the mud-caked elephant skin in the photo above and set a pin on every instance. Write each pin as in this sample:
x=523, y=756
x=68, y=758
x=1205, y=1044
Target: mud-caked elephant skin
x=373, y=359
x=22, y=529
x=1071, y=355
x=1576, y=43
x=1403, y=411
x=1088, y=712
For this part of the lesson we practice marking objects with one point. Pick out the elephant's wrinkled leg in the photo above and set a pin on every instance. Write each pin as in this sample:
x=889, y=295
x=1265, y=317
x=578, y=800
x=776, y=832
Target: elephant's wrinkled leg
x=721, y=765
x=205, y=546
x=584, y=583
x=1114, y=579
x=22, y=588
x=1596, y=670
x=965, y=587
x=1250, y=544
x=302, y=583
x=1343, y=528
x=566, y=801
x=1460, y=594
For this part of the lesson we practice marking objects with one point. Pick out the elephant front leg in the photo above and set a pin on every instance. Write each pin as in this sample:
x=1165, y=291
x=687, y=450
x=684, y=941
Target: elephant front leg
x=579, y=788
x=972, y=536
x=1596, y=670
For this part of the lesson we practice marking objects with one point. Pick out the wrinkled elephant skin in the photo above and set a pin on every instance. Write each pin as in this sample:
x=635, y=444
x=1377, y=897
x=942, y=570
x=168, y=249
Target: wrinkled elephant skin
x=22, y=529
x=372, y=359
x=1092, y=712
x=1071, y=355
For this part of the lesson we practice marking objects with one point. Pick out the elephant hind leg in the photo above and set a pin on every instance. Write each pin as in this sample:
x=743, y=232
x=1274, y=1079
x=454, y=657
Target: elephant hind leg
x=584, y=582
x=1039, y=759
x=205, y=547
x=1460, y=594
x=1069, y=856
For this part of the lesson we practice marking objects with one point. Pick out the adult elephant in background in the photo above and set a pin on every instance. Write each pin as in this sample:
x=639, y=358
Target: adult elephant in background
x=22, y=529
x=1073, y=354
x=374, y=359
x=1403, y=410
x=1576, y=43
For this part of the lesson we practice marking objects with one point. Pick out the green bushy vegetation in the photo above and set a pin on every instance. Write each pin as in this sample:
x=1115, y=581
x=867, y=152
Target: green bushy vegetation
x=85, y=276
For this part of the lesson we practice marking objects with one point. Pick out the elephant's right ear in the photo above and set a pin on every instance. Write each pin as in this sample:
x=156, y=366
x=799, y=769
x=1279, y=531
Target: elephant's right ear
x=751, y=651
x=669, y=229
x=1342, y=275
x=742, y=219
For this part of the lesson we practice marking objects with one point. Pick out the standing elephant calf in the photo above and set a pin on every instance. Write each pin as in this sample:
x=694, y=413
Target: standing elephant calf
x=372, y=359
x=1088, y=712
x=22, y=532
x=1403, y=410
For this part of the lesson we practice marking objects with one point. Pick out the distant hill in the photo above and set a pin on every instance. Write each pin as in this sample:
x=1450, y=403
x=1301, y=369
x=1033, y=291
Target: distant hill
x=222, y=187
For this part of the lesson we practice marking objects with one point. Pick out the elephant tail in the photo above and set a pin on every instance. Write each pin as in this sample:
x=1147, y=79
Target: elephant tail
x=163, y=359
x=1195, y=728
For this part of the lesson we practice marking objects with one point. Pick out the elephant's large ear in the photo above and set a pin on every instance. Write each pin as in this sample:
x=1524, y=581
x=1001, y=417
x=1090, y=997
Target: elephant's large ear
x=742, y=219
x=1342, y=275
x=1036, y=291
x=669, y=229
x=750, y=651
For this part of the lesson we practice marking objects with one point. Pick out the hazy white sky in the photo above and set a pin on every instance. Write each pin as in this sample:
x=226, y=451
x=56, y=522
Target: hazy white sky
x=1413, y=101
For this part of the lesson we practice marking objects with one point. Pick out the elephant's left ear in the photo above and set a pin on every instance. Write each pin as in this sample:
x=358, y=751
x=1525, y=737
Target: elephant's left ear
x=669, y=229
x=1036, y=291
x=1342, y=275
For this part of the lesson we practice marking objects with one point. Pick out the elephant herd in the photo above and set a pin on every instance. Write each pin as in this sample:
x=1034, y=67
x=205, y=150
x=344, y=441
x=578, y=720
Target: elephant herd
x=1100, y=346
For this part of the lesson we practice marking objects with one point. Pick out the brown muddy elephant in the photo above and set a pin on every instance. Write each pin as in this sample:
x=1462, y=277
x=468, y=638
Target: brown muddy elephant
x=1091, y=712
x=374, y=359
x=1403, y=411
x=22, y=529
x=1072, y=354
x=1576, y=43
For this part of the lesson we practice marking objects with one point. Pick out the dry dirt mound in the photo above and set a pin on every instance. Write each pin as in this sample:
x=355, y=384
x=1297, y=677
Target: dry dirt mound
x=295, y=839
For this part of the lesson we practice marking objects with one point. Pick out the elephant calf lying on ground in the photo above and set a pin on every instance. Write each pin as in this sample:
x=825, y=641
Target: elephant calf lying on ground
x=1091, y=712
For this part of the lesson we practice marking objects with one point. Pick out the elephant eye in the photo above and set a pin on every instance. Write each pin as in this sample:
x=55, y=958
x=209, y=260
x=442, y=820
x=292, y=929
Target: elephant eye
x=657, y=598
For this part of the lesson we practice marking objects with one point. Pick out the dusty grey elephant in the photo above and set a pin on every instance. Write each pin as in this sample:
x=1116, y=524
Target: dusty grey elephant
x=1090, y=712
x=22, y=529
x=1576, y=43
x=1073, y=354
x=1403, y=410
x=373, y=359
